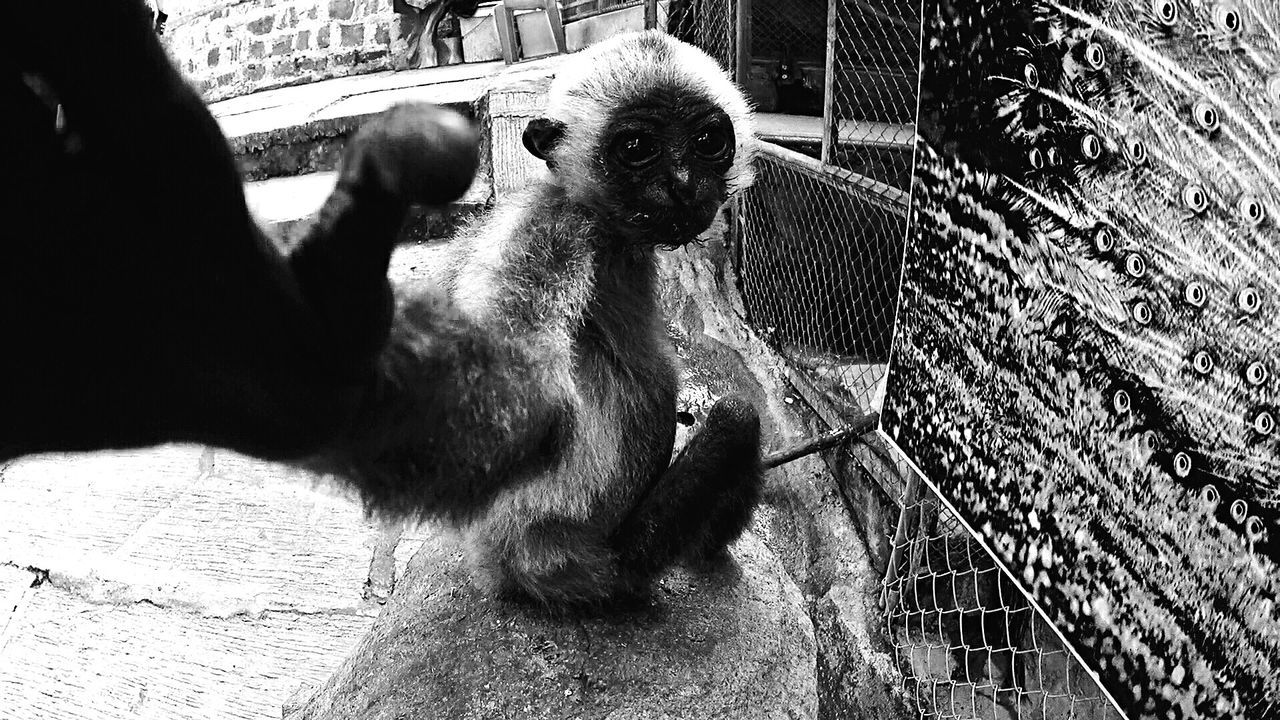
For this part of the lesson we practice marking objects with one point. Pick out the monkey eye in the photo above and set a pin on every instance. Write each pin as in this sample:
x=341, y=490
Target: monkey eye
x=635, y=149
x=711, y=144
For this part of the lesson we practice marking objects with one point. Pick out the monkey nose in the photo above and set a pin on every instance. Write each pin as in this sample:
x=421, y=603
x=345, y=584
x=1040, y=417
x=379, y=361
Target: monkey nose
x=682, y=188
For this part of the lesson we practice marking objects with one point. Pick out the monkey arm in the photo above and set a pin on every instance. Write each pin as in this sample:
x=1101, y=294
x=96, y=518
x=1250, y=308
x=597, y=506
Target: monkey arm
x=475, y=389
x=458, y=413
x=414, y=152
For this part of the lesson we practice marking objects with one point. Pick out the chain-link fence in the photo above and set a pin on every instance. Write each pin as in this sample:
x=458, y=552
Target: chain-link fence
x=964, y=635
x=818, y=256
x=708, y=24
x=875, y=56
x=818, y=245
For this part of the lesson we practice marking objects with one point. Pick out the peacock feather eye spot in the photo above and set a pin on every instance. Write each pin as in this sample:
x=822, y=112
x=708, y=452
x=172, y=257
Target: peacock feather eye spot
x=1206, y=116
x=1263, y=423
x=1195, y=198
x=1135, y=150
x=1255, y=373
x=1248, y=300
x=1210, y=496
x=1135, y=266
x=1120, y=401
x=1202, y=362
x=1031, y=75
x=1195, y=294
x=1251, y=210
x=1141, y=312
x=1228, y=19
x=1052, y=157
x=1095, y=58
x=1239, y=510
x=1104, y=239
x=1091, y=147
x=1181, y=464
x=1166, y=12
x=1036, y=158
x=1150, y=441
x=1253, y=528
x=1273, y=89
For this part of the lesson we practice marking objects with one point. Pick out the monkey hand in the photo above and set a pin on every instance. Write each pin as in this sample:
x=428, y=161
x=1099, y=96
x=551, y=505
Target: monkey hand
x=416, y=152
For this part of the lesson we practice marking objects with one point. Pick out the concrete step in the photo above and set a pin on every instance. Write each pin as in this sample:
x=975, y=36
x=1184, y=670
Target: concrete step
x=302, y=129
x=285, y=206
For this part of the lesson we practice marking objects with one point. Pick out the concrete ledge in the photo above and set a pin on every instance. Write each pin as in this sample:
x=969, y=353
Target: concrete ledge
x=302, y=129
x=286, y=206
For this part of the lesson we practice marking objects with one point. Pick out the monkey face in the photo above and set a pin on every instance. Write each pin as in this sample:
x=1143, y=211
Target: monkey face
x=664, y=171
x=662, y=162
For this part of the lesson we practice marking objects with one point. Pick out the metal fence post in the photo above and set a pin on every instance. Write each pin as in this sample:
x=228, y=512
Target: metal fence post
x=742, y=32
x=829, y=89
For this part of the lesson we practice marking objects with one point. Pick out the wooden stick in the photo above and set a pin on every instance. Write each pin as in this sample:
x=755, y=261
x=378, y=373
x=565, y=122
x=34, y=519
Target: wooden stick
x=825, y=441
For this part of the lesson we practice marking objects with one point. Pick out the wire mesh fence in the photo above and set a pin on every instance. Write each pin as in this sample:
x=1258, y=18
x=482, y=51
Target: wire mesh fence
x=791, y=31
x=873, y=94
x=817, y=259
x=965, y=637
x=818, y=244
x=707, y=24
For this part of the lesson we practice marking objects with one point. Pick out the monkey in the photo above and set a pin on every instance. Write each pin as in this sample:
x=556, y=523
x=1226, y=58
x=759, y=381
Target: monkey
x=645, y=139
x=141, y=303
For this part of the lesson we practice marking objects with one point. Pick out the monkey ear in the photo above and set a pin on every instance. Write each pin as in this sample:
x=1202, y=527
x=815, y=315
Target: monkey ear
x=542, y=135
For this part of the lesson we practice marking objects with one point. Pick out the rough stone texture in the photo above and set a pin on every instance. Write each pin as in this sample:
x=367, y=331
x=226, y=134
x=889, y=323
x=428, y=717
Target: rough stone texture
x=505, y=113
x=302, y=129
x=856, y=677
x=730, y=643
x=177, y=582
x=238, y=31
x=873, y=511
x=805, y=518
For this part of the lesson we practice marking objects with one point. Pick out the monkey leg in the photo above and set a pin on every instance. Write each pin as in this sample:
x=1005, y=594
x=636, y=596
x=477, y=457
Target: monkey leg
x=559, y=564
x=702, y=502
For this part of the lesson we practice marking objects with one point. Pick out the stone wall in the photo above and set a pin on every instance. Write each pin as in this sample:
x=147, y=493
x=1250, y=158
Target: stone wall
x=233, y=47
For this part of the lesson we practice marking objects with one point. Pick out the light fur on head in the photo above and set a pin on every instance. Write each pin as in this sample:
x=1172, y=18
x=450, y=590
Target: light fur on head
x=594, y=82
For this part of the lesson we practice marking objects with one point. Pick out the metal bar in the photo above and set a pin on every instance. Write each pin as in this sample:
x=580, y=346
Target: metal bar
x=650, y=14
x=860, y=133
x=742, y=37
x=829, y=90
x=880, y=194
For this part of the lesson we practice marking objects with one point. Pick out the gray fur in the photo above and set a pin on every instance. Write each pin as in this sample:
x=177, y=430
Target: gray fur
x=548, y=272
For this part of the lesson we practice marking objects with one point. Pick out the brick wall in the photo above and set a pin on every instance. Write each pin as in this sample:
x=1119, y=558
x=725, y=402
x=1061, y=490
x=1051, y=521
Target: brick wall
x=233, y=47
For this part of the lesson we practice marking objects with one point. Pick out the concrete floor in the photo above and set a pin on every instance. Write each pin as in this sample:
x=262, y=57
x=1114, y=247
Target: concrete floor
x=178, y=582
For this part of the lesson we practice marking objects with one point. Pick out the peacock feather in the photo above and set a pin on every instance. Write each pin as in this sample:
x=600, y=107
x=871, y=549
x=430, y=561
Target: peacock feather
x=1089, y=332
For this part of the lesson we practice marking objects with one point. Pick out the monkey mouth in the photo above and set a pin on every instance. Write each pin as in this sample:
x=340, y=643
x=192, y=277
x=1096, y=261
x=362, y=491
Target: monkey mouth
x=670, y=230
